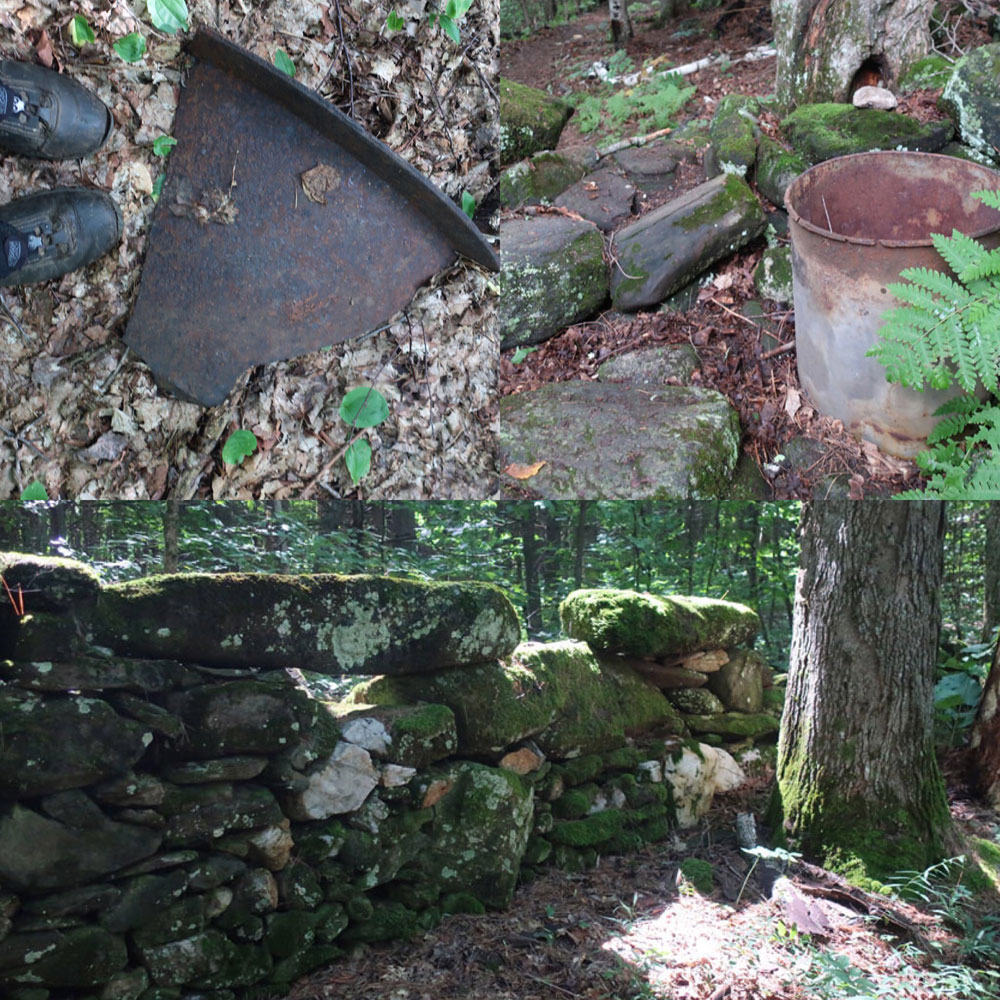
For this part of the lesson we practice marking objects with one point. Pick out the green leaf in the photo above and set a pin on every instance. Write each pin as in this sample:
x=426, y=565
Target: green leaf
x=169, y=16
x=158, y=187
x=450, y=28
x=358, y=458
x=131, y=48
x=34, y=491
x=364, y=407
x=80, y=32
x=520, y=354
x=239, y=445
x=394, y=22
x=284, y=62
x=468, y=204
x=162, y=144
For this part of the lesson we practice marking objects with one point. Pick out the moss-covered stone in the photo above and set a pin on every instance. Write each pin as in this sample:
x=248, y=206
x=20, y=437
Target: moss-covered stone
x=530, y=121
x=388, y=922
x=739, y=682
x=326, y=623
x=537, y=850
x=822, y=131
x=755, y=726
x=589, y=832
x=76, y=958
x=479, y=834
x=777, y=167
x=733, y=133
x=695, y=701
x=575, y=802
x=50, y=583
x=645, y=625
x=40, y=636
x=773, y=275
x=544, y=176
x=289, y=932
x=53, y=744
x=972, y=98
x=548, y=691
x=929, y=73
x=699, y=874
x=553, y=275
x=461, y=902
x=773, y=700
x=669, y=247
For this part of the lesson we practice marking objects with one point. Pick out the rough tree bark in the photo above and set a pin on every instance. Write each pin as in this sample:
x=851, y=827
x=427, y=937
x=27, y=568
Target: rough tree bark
x=621, y=23
x=986, y=737
x=171, y=519
x=991, y=576
x=823, y=45
x=858, y=782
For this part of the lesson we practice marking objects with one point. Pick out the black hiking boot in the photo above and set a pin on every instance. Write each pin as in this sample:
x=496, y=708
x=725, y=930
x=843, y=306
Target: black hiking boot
x=46, y=235
x=43, y=114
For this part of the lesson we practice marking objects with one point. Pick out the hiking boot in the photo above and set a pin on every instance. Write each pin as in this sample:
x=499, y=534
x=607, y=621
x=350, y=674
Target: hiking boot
x=43, y=114
x=45, y=235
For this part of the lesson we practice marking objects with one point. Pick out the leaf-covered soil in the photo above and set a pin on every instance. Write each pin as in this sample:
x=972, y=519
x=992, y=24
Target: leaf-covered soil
x=752, y=361
x=633, y=929
x=82, y=415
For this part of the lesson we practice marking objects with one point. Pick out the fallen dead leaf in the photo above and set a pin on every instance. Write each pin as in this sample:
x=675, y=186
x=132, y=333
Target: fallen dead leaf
x=524, y=471
x=319, y=182
x=793, y=400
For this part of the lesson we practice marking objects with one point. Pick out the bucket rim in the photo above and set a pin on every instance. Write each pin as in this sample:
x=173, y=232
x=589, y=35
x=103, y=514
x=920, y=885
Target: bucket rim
x=873, y=154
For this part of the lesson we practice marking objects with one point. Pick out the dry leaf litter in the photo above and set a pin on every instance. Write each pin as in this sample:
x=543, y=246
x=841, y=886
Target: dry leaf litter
x=83, y=416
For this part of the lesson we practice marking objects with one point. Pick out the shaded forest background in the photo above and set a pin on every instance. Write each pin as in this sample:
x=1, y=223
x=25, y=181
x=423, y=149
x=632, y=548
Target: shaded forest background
x=537, y=551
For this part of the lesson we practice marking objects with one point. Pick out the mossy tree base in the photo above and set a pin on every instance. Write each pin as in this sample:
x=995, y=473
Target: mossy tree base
x=858, y=782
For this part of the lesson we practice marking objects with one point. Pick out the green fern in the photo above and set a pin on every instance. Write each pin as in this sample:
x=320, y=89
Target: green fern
x=948, y=331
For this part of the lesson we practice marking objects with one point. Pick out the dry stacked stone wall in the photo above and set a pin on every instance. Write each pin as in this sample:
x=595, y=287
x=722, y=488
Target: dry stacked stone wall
x=190, y=807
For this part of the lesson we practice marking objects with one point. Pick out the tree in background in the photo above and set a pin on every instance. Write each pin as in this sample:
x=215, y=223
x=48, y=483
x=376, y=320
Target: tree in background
x=858, y=783
x=986, y=737
x=991, y=580
x=825, y=47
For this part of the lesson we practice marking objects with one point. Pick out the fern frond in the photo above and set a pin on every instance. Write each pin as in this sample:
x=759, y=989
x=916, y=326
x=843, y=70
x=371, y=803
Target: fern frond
x=987, y=266
x=955, y=416
x=959, y=251
x=933, y=281
x=991, y=198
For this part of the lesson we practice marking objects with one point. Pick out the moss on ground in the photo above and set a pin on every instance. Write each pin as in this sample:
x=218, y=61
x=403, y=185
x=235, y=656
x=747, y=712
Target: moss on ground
x=698, y=873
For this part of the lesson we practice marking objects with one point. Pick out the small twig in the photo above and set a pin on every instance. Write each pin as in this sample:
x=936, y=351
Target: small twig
x=783, y=349
x=18, y=439
x=733, y=312
x=9, y=316
x=636, y=140
x=347, y=56
x=829, y=224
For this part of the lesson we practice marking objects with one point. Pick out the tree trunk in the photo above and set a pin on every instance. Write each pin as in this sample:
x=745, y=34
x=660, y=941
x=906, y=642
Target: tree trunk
x=858, y=781
x=531, y=553
x=579, y=542
x=986, y=737
x=991, y=576
x=621, y=24
x=171, y=515
x=826, y=48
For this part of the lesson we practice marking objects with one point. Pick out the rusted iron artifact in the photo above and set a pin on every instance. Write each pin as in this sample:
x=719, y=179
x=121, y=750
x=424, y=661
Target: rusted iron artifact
x=856, y=222
x=282, y=227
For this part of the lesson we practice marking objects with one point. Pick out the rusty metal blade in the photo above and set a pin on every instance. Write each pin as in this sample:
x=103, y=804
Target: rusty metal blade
x=243, y=268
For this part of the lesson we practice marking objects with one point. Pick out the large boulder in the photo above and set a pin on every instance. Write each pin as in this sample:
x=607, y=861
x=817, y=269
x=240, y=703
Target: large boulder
x=615, y=441
x=38, y=853
x=822, y=131
x=670, y=246
x=972, y=98
x=52, y=744
x=545, y=175
x=553, y=275
x=551, y=692
x=530, y=121
x=480, y=830
x=325, y=623
x=49, y=583
x=645, y=625
x=735, y=725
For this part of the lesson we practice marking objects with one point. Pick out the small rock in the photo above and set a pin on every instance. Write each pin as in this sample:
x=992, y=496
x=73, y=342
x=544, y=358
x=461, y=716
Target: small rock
x=652, y=366
x=369, y=734
x=522, y=761
x=339, y=786
x=395, y=775
x=271, y=847
x=603, y=197
x=874, y=97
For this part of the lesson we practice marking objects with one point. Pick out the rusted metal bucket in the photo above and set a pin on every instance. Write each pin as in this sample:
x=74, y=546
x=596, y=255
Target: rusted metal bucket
x=856, y=222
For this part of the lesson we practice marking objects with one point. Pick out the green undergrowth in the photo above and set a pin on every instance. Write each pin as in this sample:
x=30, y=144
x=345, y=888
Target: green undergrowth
x=650, y=105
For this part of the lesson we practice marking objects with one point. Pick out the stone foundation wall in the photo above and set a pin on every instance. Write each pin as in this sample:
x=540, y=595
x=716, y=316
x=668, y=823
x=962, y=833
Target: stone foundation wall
x=191, y=807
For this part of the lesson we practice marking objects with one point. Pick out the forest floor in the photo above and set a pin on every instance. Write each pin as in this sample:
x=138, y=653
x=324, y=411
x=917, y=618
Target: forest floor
x=633, y=929
x=738, y=354
x=81, y=414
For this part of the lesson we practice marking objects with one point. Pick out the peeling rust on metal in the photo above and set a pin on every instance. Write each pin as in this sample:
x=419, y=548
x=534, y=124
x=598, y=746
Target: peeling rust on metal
x=251, y=271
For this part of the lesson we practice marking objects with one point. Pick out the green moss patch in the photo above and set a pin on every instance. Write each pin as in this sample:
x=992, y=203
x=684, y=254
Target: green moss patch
x=699, y=874
x=530, y=119
x=634, y=624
